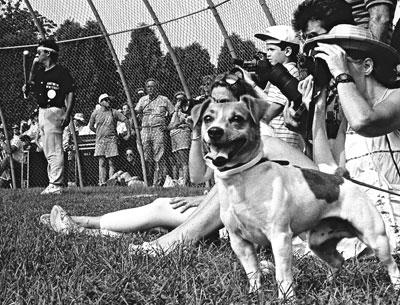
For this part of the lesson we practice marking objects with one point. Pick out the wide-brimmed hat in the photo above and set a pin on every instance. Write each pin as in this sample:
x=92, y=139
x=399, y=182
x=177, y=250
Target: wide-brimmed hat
x=103, y=96
x=279, y=33
x=352, y=37
x=79, y=117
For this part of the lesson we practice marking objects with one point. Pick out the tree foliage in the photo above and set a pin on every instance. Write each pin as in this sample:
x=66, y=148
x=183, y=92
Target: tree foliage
x=194, y=61
x=244, y=49
x=90, y=63
x=143, y=59
x=17, y=28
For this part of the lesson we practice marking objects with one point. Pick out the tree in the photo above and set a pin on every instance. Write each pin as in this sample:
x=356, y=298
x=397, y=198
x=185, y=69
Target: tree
x=244, y=49
x=91, y=64
x=143, y=59
x=17, y=28
x=194, y=61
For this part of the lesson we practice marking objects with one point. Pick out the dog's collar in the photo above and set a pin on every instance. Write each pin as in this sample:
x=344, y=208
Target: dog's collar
x=226, y=172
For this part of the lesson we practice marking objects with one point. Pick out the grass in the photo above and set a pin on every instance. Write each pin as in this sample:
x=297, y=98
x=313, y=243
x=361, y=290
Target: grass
x=38, y=266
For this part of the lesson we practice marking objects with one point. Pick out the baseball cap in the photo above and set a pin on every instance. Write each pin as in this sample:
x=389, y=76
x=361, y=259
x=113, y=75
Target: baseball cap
x=103, y=96
x=79, y=117
x=277, y=34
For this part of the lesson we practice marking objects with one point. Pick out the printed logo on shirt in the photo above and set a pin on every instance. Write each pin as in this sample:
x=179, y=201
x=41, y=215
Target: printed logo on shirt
x=51, y=89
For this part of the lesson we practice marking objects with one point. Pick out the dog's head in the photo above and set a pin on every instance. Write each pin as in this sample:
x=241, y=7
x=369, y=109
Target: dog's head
x=231, y=130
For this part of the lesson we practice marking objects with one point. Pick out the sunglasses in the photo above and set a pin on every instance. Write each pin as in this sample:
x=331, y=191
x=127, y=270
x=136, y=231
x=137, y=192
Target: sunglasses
x=129, y=154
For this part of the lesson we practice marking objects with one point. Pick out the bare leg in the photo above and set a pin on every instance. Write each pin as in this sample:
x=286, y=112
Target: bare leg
x=158, y=213
x=199, y=224
x=111, y=167
x=102, y=170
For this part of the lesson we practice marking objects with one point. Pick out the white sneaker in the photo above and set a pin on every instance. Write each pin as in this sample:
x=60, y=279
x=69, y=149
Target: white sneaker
x=45, y=220
x=52, y=189
x=61, y=222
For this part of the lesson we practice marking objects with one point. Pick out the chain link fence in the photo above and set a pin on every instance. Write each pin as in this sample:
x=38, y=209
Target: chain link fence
x=193, y=36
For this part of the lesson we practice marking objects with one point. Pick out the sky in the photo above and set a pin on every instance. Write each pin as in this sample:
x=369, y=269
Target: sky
x=244, y=17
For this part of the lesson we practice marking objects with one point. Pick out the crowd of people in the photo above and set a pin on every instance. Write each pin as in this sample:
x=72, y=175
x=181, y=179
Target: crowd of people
x=354, y=127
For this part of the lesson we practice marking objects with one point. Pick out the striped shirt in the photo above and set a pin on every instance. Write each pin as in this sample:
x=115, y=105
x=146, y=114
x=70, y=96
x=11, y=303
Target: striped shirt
x=360, y=9
x=277, y=123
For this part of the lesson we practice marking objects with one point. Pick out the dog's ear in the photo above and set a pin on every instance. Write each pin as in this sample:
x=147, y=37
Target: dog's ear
x=198, y=111
x=256, y=106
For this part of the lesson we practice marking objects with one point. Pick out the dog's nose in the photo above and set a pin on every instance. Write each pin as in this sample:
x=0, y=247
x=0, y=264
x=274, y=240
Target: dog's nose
x=215, y=133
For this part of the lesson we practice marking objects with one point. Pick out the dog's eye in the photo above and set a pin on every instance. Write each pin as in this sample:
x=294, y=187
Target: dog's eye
x=207, y=119
x=237, y=119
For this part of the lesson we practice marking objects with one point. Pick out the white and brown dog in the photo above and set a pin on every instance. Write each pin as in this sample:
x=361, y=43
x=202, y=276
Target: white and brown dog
x=263, y=202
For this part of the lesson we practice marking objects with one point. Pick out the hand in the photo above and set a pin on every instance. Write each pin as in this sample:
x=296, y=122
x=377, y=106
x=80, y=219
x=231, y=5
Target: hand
x=65, y=120
x=305, y=87
x=334, y=56
x=185, y=202
x=292, y=122
x=246, y=76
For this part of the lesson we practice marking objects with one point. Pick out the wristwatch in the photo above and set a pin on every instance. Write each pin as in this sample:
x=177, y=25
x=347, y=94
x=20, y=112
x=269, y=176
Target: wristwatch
x=344, y=78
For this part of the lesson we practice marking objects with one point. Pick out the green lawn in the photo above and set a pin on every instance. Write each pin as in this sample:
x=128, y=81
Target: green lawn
x=38, y=266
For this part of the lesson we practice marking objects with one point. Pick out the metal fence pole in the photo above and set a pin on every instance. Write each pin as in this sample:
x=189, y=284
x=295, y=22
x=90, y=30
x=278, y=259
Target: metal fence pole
x=267, y=12
x=170, y=49
x=40, y=29
x=125, y=85
x=222, y=28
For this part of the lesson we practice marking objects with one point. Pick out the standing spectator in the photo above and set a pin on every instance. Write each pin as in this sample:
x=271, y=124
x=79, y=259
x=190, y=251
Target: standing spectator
x=16, y=152
x=180, y=133
x=125, y=140
x=81, y=127
x=16, y=131
x=53, y=88
x=155, y=111
x=105, y=118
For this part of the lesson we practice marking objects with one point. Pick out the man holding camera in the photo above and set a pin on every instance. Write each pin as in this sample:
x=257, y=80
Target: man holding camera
x=155, y=111
x=180, y=133
x=282, y=48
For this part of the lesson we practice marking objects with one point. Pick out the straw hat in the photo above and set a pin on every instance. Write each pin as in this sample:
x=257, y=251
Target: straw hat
x=352, y=37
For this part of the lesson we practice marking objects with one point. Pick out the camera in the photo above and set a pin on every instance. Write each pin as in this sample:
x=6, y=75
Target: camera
x=278, y=75
x=188, y=104
x=317, y=67
x=259, y=68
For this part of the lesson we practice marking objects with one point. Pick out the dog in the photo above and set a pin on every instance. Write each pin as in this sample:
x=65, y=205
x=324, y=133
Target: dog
x=263, y=202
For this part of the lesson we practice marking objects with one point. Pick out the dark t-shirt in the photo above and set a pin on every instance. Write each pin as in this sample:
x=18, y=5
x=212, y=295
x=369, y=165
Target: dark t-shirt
x=52, y=86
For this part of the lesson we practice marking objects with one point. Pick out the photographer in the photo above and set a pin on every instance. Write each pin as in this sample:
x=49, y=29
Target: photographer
x=282, y=48
x=180, y=133
x=368, y=141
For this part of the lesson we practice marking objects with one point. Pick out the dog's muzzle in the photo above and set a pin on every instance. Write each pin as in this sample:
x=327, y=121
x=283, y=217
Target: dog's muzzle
x=215, y=133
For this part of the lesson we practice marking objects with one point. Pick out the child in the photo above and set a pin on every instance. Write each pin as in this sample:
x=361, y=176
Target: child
x=282, y=47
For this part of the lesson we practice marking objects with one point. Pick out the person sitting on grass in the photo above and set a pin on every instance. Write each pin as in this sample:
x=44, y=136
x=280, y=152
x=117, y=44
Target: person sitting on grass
x=192, y=217
x=126, y=177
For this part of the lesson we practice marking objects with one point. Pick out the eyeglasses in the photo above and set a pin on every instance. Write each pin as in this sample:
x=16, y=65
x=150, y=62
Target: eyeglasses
x=129, y=154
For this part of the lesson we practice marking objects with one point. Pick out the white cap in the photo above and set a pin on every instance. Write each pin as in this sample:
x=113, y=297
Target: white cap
x=103, y=96
x=79, y=117
x=279, y=33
